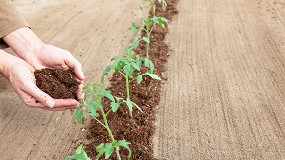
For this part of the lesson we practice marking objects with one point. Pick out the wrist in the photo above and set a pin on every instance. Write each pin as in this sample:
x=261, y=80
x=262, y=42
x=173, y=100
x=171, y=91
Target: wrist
x=23, y=41
x=6, y=62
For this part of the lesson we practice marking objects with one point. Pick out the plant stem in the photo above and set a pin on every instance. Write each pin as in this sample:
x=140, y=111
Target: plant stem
x=128, y=90
x=110, y=132
x=147, y=48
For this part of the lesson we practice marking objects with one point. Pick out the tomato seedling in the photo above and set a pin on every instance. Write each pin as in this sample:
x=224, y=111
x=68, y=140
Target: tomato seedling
x=153, y=6
x=125, y=65
x=94, y=93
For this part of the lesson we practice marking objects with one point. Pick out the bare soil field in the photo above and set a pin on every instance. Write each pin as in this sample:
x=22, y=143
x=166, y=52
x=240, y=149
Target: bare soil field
x=225, y=89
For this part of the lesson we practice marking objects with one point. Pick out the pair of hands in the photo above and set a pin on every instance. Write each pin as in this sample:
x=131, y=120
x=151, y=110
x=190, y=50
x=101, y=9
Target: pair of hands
x=23, y=81
x=35, y=55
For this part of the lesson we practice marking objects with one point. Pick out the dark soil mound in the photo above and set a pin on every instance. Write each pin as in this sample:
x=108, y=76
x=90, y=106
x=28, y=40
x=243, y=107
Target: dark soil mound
x=138, y=130
x=58, y=83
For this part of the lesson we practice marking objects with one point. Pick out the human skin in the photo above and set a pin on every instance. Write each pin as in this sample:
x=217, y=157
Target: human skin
x=36, y=55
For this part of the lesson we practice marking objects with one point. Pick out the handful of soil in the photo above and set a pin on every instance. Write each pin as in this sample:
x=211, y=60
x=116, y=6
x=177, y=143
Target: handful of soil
x=58, y=83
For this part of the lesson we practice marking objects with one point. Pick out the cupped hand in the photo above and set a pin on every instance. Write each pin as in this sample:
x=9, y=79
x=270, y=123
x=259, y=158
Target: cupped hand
x=21, y=77
x=30, y=48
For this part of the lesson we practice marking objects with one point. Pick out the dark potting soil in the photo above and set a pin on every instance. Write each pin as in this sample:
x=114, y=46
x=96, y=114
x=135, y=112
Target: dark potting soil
x=139, y=129
x=58, y=83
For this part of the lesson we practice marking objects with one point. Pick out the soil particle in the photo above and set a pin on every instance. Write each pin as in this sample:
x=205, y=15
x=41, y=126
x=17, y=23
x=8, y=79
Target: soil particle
x=58, y=83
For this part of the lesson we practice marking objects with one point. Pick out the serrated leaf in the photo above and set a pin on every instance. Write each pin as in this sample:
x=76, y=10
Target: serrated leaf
x=146, y=39
x=154, y=76
x=133, y=28
x=78, y=115
x=108, y=95
x=105, y=72
x=79, y=149
x=91, y=107
x=80, y=154
x=115, y=106
x=109, y=149
x=136, y=66
x=100, y=149
x=125, y=144
x=134, y=45
x=148, y=63
x=139, y=79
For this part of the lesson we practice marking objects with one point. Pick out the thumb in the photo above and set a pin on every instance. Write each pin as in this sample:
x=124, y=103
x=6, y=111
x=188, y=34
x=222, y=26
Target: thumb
x=42, y=97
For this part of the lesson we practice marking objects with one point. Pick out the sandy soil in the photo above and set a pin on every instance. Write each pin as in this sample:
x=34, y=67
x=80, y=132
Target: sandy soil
x=93, y=31
x=224, y=98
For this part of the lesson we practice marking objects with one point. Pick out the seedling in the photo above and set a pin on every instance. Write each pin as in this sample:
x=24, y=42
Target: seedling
x=80, y=154
x=150, y=24
x=153, y=6
x=125, y=65
x=94, y=93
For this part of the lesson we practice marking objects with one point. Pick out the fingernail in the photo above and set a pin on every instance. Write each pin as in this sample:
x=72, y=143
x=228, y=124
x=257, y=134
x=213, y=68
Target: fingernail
x=50, y=103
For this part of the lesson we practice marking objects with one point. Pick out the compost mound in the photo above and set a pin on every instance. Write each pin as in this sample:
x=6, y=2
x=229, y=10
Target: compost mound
x=58, y=83
x=139, y=129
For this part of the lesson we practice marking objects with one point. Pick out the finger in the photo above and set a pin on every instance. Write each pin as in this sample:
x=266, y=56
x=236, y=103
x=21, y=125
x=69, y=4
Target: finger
x=41, y=96
x=76, y=66
x=58, y=109
x=59, y=103
x=29, y=100
x=80, y=94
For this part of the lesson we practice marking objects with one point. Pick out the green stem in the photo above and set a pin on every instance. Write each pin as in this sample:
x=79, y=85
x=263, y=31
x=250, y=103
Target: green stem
x=127, y=86
x=147, y=44
x=128, y=90
x=110, y=132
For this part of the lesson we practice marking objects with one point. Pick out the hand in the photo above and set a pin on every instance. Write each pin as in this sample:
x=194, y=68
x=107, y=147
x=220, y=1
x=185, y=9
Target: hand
x=21, y=77
x=39, y=55
x=51, y=56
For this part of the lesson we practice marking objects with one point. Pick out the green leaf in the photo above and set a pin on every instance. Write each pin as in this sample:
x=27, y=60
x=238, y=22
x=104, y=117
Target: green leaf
x=146, y=39
x=154, y=76
x=139, y=79
x=128, y=69
x=125, y=144
x=115, y=106
x=109, y=149
x=129, y=104
x=148, y=63
x=108, y=95
x=136, y=66
x=100, y=149
x=133, y=28
x=80, y=154
x=91, y=107
x=134, y=45
x=105, y=72
x=78, y=115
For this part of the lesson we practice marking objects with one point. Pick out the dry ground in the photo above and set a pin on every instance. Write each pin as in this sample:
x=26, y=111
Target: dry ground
x=224, y=98
x=225, y=94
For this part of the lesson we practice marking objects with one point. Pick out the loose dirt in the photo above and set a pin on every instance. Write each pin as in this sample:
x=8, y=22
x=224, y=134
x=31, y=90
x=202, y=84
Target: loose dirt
x=139, y=129
x=58, y=83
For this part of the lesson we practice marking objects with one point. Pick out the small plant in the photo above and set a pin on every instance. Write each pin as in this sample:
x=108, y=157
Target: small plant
x=149, y=24
x=80, y=154
x=94, y=93
x=153, y=6
x=126, y=64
